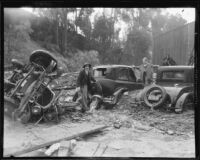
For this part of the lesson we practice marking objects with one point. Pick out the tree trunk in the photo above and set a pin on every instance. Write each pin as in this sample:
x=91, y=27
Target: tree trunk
x=64, y=32
x=75, y=20
x=57, y=26
x=57, y=23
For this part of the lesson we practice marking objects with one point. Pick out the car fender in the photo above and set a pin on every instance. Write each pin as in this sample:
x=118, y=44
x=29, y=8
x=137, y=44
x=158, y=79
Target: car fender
x=181, y=101
x=120, y=90
x=176, y=92
x=172, y=92
x=118, y=93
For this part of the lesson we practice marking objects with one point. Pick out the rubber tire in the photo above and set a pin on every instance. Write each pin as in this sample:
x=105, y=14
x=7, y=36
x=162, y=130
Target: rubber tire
x=150, y=88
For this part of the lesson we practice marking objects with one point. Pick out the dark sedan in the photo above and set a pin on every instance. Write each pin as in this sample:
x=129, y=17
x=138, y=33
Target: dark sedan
x=115, y=77
x=176, y=83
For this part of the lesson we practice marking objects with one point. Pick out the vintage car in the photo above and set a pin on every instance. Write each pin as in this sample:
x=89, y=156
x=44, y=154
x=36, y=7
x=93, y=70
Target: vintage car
x=174, y=86
x=111, y=82
x=114, y=80
x=114, y=77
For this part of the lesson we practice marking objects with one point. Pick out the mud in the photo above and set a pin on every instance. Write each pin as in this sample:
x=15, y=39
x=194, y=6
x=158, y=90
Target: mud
x=140, y=132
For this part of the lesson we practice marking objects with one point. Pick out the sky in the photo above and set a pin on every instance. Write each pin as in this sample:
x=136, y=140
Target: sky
x=186, y=13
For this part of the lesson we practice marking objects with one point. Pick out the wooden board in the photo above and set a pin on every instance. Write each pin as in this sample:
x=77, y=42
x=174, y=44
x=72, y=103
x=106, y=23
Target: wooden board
x=51, y=135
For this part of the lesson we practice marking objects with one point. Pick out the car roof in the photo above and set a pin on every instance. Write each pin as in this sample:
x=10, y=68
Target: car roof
x=178, y=67
x=112, y=66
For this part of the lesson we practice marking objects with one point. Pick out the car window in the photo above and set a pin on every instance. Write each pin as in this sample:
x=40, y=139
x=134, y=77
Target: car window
x=99, y=72
x=122, y=74
x=173, y=75
x=189, y=76
x=132, y=76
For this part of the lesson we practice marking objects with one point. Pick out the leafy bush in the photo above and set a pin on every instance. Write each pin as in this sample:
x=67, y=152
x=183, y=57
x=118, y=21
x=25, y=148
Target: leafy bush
x=78, y=59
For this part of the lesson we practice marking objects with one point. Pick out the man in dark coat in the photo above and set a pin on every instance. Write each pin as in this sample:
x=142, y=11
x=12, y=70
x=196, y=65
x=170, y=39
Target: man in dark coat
x=84, y=83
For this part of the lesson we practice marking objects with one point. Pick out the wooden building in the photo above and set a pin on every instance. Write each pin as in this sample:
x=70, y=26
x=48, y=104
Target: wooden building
x=178, y=43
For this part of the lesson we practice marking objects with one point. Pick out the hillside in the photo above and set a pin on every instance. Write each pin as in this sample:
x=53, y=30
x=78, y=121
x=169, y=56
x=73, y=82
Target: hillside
x=20, y=42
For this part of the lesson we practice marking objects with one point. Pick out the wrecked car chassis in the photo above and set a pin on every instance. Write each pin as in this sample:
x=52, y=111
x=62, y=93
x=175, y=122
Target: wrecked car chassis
x=29, y=96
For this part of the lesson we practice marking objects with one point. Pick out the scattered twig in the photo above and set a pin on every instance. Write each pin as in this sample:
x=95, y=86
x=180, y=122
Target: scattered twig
x=96, y=150
x=104, y=150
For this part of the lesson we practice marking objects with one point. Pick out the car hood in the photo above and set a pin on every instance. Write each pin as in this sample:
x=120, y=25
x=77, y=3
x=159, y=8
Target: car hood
x=179, y=85
x=173, y=92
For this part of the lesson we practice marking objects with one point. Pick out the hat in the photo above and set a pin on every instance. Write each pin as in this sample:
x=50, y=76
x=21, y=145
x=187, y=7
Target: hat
x=87, y=64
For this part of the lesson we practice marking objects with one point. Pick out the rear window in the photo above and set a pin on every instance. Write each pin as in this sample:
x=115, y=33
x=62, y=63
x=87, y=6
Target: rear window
x=173, y=75
x=123, y=74
x=100, y=72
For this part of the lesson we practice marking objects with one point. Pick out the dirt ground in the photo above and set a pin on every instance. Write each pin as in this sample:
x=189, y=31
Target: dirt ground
x=134, y=131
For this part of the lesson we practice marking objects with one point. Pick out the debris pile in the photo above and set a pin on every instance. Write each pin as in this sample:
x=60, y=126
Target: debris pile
x=67, y=79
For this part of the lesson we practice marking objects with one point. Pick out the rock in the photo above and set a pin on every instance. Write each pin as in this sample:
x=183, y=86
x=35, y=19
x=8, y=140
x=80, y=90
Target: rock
x=117, y=125
x=126, y=93
x=143, y=127
x=79, y=139
x=152, y=125
x=52, y=149
x=170, y=132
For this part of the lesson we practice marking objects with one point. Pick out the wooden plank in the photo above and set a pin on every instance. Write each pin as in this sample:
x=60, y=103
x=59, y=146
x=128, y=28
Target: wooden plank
x=85, y=149
x=36, y=147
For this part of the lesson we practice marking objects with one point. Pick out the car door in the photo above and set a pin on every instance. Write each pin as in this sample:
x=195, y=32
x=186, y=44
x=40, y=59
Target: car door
x=125, y=78
x=104, y=77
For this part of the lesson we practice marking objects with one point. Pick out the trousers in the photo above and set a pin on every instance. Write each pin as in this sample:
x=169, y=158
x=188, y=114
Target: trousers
x=84, y=95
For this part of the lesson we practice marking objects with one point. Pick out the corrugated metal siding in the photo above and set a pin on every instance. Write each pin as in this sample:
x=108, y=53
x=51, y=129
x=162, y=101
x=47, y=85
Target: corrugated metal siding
x=178, y=43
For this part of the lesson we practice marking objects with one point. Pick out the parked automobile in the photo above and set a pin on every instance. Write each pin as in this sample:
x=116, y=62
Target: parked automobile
x=174, y=86
x=114, y=77
x=113, y=81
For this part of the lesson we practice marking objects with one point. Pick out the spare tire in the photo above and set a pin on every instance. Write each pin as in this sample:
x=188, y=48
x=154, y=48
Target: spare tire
x=153, y=96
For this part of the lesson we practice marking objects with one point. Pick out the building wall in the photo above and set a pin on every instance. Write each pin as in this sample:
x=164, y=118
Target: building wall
x=178, y=43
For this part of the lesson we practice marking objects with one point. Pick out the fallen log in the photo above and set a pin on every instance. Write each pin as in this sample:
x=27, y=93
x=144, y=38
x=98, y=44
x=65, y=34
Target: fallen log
x=36, y=147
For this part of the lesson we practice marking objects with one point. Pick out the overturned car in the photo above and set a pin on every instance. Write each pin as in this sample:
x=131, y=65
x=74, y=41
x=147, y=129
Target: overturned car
x=27, y=94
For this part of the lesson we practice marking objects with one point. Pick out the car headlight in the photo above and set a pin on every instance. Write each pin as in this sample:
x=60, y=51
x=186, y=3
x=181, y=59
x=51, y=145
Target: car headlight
x=36, y=110
x=154, y=75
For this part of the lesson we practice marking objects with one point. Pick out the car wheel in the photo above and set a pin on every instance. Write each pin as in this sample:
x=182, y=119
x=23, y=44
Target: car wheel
x=153, y=96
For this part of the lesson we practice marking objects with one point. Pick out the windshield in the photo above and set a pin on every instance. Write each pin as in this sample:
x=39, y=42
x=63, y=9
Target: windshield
x=173, y=75
x=100, y=72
